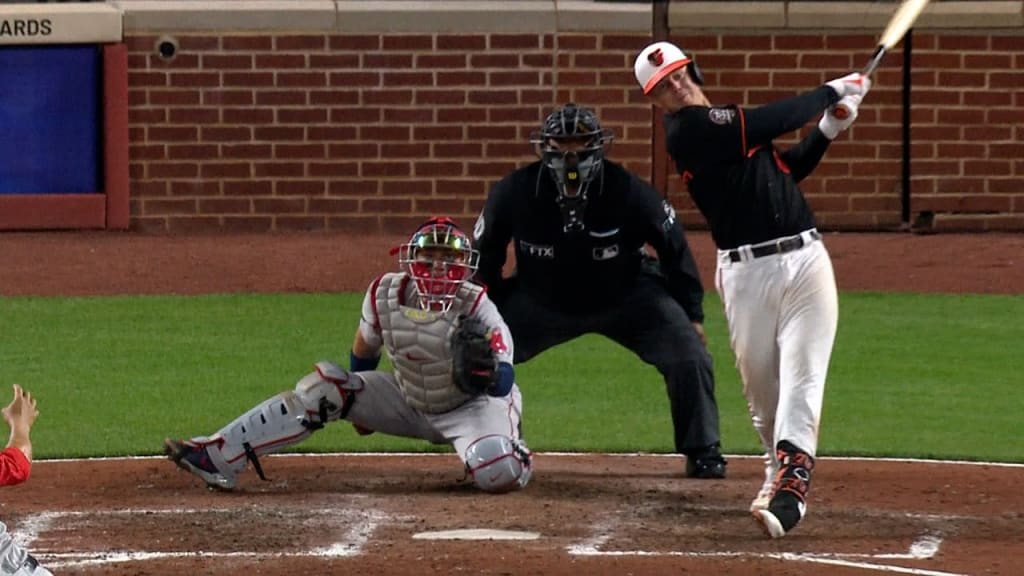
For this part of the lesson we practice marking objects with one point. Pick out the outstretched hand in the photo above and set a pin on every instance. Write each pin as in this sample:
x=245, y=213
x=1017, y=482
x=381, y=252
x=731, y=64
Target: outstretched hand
x=20, y=415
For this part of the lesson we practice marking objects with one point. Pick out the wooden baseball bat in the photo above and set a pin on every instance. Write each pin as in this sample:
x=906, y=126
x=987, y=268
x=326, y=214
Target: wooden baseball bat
x=902, y=20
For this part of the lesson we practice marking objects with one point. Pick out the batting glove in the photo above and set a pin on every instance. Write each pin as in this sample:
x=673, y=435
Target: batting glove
x=831, y=126
x=850, y=85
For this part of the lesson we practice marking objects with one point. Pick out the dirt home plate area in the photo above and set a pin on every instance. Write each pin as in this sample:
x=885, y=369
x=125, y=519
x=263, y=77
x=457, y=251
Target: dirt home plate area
x=414, y=514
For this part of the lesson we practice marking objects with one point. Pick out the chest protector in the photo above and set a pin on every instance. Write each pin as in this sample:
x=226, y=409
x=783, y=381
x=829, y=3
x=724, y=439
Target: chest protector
x=418, y=343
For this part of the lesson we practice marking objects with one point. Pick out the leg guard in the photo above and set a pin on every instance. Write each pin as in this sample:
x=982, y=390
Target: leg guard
x=322, y=396
x=498, y=463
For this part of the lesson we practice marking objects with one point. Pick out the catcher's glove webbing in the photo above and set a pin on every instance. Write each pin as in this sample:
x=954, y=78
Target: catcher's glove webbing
x=473, y=361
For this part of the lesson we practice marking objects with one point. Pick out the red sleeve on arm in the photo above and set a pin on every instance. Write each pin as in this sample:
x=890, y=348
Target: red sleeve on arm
x=14, y=467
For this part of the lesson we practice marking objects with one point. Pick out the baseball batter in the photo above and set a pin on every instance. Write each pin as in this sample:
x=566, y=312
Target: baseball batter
x=452, y=382
x=15, y=467
x=774, y=275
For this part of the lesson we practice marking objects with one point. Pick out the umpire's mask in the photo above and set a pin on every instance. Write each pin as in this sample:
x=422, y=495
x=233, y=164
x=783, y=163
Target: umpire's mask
x=571, y=144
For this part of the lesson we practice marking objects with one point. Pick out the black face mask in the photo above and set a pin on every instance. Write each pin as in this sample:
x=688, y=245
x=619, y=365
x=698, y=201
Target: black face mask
x=573, y=173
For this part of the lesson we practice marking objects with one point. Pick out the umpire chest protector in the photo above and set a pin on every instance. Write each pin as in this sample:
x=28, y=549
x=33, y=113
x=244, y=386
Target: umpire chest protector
x=419, y=343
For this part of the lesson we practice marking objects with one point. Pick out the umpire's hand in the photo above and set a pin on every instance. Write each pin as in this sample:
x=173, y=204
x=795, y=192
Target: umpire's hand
x=700, y=332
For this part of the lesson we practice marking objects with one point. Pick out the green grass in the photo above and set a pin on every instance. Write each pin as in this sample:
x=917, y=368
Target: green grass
x=912, y=375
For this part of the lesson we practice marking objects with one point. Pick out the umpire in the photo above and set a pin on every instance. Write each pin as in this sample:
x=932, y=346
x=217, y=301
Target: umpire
x=579, y=224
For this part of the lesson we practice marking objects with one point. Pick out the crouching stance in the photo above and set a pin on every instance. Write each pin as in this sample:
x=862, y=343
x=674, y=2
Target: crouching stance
x=452, y=382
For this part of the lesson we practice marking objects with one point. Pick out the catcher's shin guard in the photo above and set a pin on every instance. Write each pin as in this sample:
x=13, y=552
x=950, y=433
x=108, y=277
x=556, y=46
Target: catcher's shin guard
x=498, y=463
x=322, y=396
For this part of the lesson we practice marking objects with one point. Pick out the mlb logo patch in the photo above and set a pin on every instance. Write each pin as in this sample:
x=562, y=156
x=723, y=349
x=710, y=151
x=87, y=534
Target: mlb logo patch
x=606, y=252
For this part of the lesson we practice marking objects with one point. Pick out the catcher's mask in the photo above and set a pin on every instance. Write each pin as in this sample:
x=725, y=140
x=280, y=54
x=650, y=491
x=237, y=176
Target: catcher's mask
x=571, y=144
x=439, y=257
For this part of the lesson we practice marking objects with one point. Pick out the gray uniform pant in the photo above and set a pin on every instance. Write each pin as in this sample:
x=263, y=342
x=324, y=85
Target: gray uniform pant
x=14, y=560
x=380, y=406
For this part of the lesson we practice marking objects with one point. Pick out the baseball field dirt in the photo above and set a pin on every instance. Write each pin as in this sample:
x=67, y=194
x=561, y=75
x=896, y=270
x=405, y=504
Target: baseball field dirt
x=583, y=514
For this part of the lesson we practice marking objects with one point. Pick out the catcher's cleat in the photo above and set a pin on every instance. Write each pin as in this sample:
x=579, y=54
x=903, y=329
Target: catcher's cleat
x=706, y=465
x=788, y=504
x=195, y=458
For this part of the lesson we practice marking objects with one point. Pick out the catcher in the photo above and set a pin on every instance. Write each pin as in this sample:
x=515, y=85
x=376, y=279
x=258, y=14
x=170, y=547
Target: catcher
x=452, y=382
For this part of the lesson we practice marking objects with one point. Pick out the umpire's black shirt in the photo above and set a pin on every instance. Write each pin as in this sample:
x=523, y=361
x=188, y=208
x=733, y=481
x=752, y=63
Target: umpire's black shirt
x=745, y=187
x=587, y=271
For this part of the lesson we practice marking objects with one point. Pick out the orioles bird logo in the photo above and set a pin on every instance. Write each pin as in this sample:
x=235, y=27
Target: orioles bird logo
x=656, y=57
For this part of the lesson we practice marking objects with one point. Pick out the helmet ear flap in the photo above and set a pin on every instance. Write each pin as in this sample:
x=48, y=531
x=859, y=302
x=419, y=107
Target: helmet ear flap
x=694, y=71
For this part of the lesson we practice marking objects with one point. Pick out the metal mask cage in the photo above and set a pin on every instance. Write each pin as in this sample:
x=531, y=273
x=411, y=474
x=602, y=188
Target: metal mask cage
x=439, y=258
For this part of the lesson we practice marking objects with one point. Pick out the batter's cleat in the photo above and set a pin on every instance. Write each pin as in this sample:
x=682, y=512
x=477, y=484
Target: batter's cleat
x=195, y=458
x=784, y=512
x=789, y=502
x=764, y=495
x=706, y=465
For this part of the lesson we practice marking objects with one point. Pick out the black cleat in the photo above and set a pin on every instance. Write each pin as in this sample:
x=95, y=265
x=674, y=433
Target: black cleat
x=706, y=465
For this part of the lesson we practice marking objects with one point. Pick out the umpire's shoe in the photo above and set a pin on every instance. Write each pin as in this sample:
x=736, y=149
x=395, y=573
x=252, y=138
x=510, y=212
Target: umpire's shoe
x=788, y=505
x=707, y=464
x=195, y=458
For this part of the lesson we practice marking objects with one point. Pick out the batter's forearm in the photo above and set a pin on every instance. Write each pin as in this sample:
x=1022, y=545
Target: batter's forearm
x=771, y=121
x=803, y=158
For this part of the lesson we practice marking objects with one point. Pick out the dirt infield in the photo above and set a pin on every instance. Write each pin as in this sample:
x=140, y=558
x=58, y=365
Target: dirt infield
x=593, y=514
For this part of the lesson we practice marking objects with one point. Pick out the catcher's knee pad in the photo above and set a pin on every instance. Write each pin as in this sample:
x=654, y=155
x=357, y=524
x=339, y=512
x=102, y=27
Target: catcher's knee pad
x=498, y=463
x=327, y=394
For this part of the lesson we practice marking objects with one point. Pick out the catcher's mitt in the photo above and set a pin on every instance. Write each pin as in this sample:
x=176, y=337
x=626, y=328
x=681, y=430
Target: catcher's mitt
x=473, y=360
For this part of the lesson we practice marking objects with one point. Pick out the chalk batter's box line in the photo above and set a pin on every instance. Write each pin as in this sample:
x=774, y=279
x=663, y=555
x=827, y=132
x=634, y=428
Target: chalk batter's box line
x=359, y=525
x=362, y=531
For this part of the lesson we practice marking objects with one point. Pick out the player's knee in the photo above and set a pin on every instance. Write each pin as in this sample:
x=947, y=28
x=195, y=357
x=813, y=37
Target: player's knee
x=499, y=463
x=695, y=362
x=327, y=393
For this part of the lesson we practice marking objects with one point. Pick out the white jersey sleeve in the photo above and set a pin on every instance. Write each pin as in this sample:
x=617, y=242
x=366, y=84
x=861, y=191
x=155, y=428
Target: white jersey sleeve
x=487, y=312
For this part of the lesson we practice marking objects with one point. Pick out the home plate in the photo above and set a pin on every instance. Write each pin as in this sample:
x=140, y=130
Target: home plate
x=476, y=534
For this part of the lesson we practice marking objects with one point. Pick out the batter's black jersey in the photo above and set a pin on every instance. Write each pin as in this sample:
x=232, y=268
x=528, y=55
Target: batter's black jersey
x=745, y=187
x=589, y=270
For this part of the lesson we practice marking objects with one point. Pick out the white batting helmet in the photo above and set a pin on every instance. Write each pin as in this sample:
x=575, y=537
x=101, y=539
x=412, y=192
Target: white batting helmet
x=658, y=61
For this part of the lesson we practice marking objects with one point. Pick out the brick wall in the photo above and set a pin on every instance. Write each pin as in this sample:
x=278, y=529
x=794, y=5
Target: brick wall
x=358, y=132
x=337, y=114
x=371, y=132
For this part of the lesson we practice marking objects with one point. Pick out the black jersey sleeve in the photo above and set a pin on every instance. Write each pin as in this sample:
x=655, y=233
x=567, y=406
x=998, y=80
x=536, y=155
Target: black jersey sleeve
x=664, y=233
x=804, y=157
x=492, y=233
x=711, y=134
x=766, y=123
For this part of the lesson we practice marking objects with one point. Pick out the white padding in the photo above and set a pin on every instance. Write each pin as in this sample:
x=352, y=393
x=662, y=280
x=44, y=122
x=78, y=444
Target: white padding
x=288, y=418
x=498, y=463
